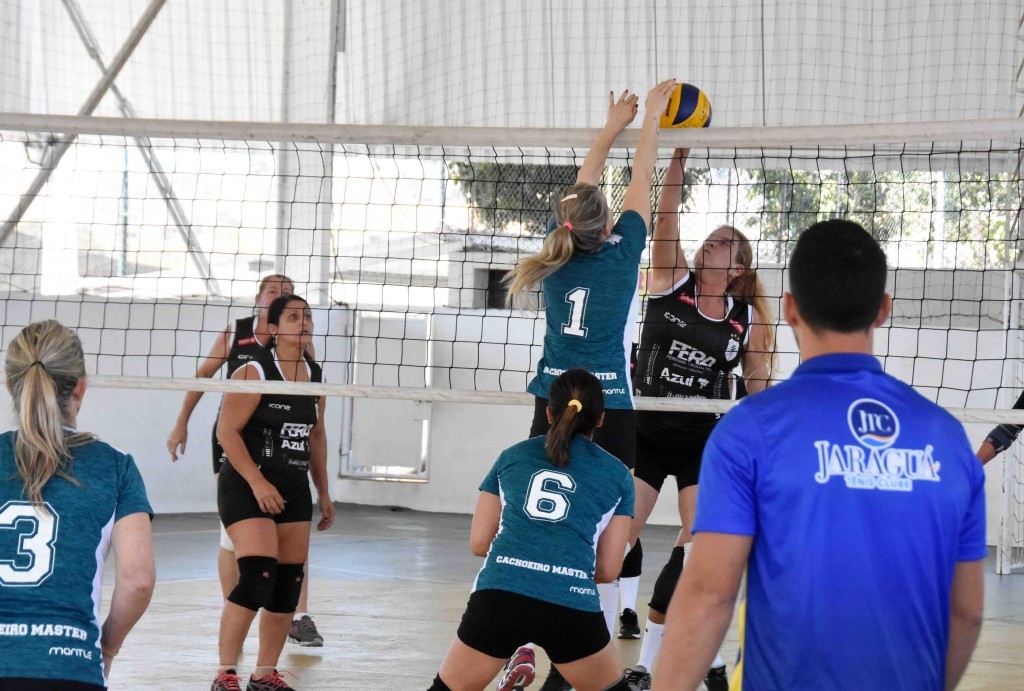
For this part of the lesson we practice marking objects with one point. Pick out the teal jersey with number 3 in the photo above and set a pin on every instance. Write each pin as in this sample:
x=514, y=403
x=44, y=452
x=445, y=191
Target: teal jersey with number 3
x=551, y=520
x=591, y=307
x=51, y=563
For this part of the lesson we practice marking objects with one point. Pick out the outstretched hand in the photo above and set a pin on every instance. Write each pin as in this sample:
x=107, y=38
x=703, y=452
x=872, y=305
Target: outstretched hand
x=658, y=97
x=622, y=111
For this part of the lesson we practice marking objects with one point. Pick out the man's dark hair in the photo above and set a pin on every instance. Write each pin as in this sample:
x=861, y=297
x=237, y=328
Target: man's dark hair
x=837, y=276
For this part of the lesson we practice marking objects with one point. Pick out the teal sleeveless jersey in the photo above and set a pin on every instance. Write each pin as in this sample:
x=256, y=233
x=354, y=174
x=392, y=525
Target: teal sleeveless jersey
x=591, y=308
x=551, y=519
x=51, y=566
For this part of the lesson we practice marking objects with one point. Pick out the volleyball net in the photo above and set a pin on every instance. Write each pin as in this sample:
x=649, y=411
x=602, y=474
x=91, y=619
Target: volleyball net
x=149, y=236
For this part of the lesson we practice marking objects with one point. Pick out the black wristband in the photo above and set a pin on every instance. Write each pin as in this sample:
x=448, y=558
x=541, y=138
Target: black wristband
x=1002, y=436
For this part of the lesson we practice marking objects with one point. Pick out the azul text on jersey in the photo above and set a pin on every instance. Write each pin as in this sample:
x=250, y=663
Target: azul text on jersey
x=874, y=462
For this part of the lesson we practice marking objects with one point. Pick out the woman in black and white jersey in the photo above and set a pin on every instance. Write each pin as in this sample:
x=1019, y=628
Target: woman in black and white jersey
x=236, y=344
x=699, y=325
x=273, y=443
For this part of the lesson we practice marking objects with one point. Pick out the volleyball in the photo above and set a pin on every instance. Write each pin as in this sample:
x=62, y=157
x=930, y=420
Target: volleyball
x=688, y=107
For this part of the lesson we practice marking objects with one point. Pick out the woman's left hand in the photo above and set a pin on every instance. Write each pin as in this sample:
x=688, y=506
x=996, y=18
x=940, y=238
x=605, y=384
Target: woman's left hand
x=326, y=511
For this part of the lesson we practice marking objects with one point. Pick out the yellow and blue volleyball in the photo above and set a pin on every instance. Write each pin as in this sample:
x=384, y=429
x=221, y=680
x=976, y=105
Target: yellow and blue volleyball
x=688, y=107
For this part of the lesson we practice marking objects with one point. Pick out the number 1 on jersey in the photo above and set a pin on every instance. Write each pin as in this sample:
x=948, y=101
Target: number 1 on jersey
x=577, y=298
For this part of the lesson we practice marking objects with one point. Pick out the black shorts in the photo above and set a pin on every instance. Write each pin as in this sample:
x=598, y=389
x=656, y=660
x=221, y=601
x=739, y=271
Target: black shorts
x=32, y=684
x=617, y=435
x=497, y=622
x=671, y=444
x=236, y=502
x=219, y=457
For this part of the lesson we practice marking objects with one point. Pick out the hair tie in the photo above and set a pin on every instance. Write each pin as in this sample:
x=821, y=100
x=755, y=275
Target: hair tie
x=40, y=363
x=575, y=404
x=568, y=197
x=569, y=226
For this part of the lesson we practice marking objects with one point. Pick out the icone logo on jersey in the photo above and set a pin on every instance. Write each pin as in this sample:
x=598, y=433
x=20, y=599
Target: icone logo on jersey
x=250, y=340
x=736, y=325
x=688, y=299
x=675, y=320
x=875, y=462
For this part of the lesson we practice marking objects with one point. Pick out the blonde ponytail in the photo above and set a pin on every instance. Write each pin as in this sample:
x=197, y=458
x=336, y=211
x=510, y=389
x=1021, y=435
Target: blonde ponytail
x=748, y=288
x=582, y=216
x=43, y=366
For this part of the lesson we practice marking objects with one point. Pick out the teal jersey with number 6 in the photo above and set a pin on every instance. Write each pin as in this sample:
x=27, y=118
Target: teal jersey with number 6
x=51, y=563
x=591, y=307
x=551, y=520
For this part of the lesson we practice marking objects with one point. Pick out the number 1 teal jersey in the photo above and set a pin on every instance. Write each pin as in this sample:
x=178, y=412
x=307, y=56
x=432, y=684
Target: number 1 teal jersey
x=51, y=566
x=591, y=307
x=551, y=520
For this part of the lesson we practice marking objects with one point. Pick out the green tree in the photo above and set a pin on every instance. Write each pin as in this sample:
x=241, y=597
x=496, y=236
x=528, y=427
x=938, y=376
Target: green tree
x=524, y=195
x=507, y=194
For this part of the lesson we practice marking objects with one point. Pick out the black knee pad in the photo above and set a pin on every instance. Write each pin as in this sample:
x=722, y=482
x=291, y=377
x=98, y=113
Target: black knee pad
x=256, y=577
x=287, y=589
x=632, y=565
x=439, y=685
x=667, y=579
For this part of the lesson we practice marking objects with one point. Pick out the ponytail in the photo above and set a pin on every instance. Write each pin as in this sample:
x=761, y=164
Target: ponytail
x=44, y=364
x=554, y=254
x=576, y=402
x=748, y=288
x=582, y=216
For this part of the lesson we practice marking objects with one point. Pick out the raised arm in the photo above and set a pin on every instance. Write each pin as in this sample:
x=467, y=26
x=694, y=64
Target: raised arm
x=638, y=194
x=620, y=114
x=134, y=576
x=668, y=262
x=216, y=358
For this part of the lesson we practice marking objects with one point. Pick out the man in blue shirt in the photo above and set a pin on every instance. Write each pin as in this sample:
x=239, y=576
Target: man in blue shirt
x=854, y=505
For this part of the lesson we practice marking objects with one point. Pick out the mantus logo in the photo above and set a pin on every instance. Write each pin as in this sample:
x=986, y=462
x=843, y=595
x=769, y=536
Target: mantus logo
x=874, y=462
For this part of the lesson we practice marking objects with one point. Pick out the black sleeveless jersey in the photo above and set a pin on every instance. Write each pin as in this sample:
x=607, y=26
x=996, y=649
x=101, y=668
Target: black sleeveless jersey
x=684, y=354
x=244, y=344
x=277, y=434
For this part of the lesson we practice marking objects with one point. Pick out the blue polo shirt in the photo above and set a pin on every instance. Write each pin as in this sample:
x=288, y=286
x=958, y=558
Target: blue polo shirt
x=861, y=495
x=552, y=519
x=590, y=310
x=51, y=563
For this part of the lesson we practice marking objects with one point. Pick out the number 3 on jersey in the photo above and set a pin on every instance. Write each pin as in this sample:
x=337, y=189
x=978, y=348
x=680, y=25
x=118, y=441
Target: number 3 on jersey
x=577, y=299
x=546, y=500
x=32, y=561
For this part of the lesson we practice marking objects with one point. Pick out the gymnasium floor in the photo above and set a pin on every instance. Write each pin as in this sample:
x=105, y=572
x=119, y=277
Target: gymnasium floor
x=387, y=590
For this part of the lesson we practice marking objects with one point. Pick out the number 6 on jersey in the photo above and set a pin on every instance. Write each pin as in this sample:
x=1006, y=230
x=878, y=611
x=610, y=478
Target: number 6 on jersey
x=546, y=500
x=577, y=298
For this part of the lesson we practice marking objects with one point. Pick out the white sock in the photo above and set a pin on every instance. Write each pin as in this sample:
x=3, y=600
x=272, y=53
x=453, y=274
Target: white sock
x=628, y=589
x=263, y=671
x=299, y=615
x=609, y=593
x=651, y=645
x=719, y=662
x=227, y=668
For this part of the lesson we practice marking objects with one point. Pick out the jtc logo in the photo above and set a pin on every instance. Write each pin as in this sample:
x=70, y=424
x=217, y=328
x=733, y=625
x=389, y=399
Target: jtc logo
x=873, y=423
